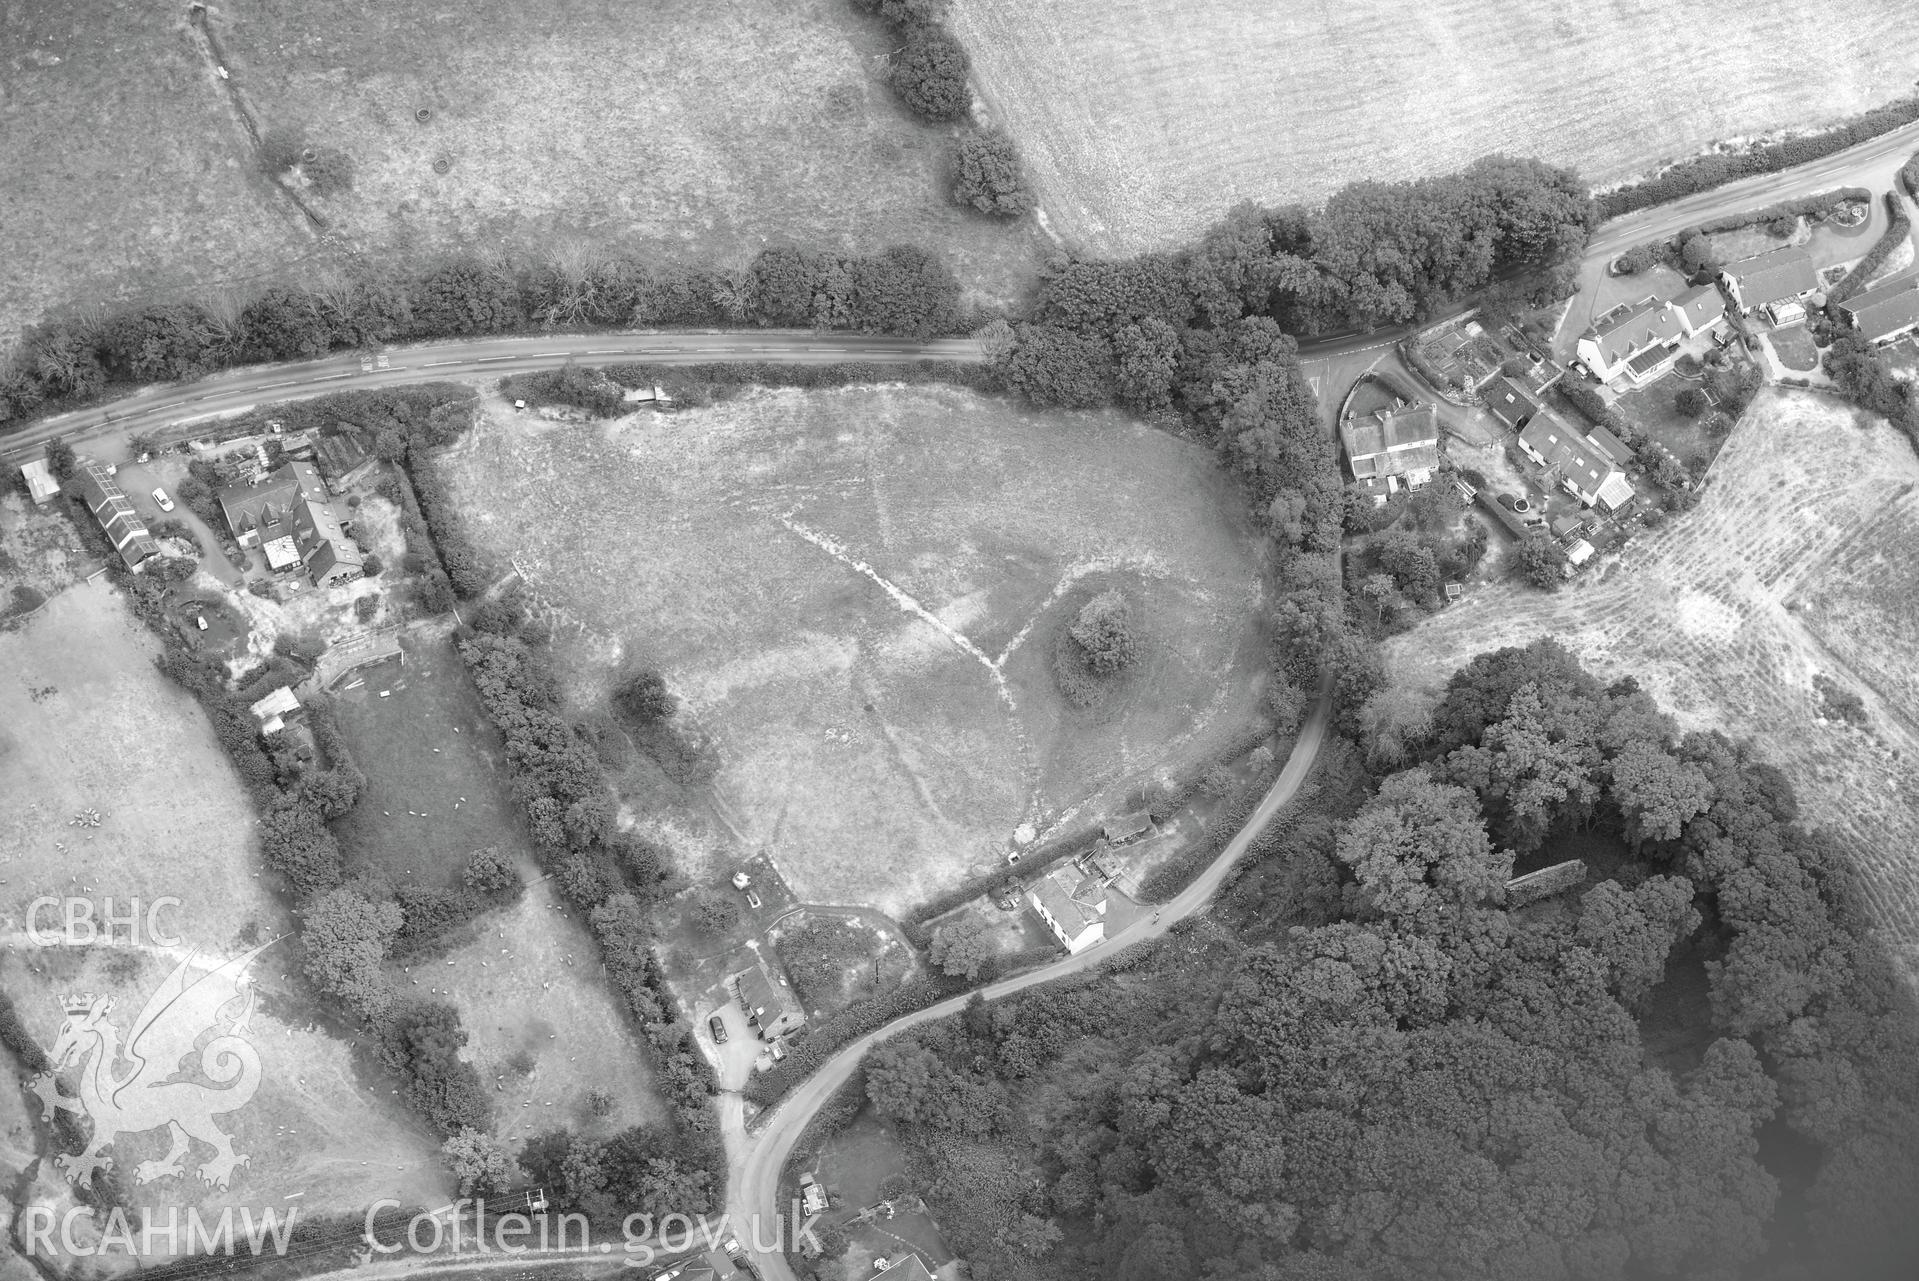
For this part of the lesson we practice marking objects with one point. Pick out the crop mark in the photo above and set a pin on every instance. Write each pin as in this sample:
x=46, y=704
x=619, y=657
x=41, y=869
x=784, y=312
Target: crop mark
x=908, y=604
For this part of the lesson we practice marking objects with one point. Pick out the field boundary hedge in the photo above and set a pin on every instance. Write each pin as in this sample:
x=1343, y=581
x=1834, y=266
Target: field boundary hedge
x=1715, y=169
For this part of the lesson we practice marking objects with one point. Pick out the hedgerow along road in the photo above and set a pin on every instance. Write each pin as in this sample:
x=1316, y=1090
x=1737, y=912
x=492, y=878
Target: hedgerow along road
x=167, y=404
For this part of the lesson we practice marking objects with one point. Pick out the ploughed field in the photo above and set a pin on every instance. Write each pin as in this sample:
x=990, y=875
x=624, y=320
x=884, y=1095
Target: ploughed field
x=1798, y=562
x=1144, y=120
x=856, y=595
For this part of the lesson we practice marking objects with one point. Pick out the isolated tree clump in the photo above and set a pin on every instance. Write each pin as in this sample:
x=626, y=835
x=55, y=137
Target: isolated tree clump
x=959, y=949
x=929, y=74
x=644, y=697
x=1104, y=633
x=479, y=1161
x=1636, y=260
x=346, y=939
x=1542, y=561
x=987, y=175
x=715, y=912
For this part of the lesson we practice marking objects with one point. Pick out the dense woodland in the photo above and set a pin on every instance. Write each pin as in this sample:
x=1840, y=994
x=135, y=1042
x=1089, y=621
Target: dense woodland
x=1367, y=1066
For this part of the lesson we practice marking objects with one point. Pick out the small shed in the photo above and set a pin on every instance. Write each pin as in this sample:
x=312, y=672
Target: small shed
x=40, y=482
x=273, y=710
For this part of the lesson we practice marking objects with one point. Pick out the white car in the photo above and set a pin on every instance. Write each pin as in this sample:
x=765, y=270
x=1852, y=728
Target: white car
x=160, y=497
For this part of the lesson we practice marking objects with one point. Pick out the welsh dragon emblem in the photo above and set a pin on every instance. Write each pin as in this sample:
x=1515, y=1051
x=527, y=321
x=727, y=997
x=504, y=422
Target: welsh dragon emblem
x=143, y=1095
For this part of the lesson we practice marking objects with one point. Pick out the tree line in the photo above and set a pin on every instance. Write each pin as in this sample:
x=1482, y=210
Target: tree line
x=903, y=290
x=1416, y=1080
x=928, y=73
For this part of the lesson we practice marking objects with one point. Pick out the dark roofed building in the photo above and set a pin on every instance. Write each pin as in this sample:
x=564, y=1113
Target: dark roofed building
x=1610, y=445
x=123, y=526
x=263, y=511
x=344, y=460
x=1395, y=442
x=1883, y=314
x=1509, y=402
x=770, y=1007
x=1780, y=275
x=329, y=555
x=1551, y=442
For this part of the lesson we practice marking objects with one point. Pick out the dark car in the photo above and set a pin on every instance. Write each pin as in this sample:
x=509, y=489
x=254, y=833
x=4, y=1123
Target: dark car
x=718, y=1029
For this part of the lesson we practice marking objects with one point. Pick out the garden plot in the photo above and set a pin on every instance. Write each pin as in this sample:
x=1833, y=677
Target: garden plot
x=1796, y=563
x=1144, y=120
x=854, y=593
x=88, y=723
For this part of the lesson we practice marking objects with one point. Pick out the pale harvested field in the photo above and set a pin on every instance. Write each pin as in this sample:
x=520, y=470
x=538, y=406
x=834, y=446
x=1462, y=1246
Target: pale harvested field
x=686, y=129
x=884, y=752
x=1728, y=613
x=1144, y=120
x=118, y=737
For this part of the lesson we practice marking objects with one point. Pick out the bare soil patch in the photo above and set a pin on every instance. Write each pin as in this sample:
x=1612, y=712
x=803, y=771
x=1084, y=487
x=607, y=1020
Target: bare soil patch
x=1791, y=566
x=114, y=735
x=852, y=592
x=1143, y=120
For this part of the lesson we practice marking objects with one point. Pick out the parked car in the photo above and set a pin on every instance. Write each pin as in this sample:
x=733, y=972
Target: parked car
x=160, y=497
x=718, y=1029
x=200, y=621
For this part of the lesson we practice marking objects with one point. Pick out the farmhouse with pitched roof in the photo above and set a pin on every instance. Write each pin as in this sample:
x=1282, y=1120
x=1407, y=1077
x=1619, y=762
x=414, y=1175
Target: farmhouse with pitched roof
x=1391, y=448
x=1777, y=276
x=1636, y=342
x=1073, y=907
x=1582, y=468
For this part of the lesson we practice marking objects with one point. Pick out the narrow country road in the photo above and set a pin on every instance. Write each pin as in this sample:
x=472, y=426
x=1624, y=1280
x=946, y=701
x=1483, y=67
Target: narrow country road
x=755, y=1161
x=1870, y=164
x=164, y=404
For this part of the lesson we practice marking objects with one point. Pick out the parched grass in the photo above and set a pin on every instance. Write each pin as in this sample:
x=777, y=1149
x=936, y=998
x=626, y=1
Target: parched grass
x=691, y=128
x=1795, y=563
x=687, y=130
x=1143, y=120
x=114, y=735
x=884, y=729
x=127, y=174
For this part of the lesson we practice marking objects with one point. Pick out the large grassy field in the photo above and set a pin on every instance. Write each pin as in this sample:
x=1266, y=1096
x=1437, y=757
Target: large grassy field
x=1143, y=120
x=690, y=129
x=86, y=720
x=856, y=593
x=1797, y=563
